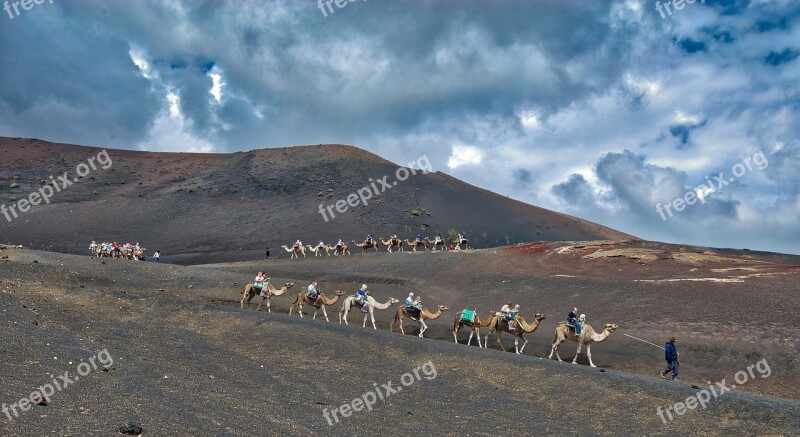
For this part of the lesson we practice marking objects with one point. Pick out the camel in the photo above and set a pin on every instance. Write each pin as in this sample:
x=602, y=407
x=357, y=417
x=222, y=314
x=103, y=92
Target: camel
x=350, y=302
x=474, y=326
x=318, y=250
x=416, y=243
x=337, y=249
x=463, y=241
x=588, y=336
x=520, y=327
x=390, y=243
x=250, y=292
x=364, y=246
x=434, y=244
x=423, y=315
x=326, y=301
x=139, y=254
x=294, y=250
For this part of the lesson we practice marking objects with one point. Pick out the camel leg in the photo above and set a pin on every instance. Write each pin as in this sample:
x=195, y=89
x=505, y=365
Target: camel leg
x=300, y=309
x=516, y=344
x=262, y=303
x=455, y=334
x=325, y=313
x=522, y=349
x=471, y=334
x=424, y=327
x=589, y=354
x=554, y=348
x=486, y=340
x=499, y=341
x=577, y=352
x=401, y=326
x=478, y=335
x=372, y=316
x=269, y=305
x=364, y=325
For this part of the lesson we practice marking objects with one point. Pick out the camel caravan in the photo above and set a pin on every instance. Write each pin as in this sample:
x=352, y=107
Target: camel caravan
x=391, y=244
x=114, y=250
x=507, y=320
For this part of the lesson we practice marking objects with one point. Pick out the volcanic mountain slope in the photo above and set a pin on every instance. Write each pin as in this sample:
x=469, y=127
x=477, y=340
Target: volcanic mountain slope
x=221, y=207
x=188, y=361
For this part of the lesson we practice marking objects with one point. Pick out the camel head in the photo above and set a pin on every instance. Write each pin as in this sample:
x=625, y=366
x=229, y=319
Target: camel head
x=288, y=284
x=393, y=301
x=610, y=327
x=539, y=317
x=339, y=292
x=442, y=308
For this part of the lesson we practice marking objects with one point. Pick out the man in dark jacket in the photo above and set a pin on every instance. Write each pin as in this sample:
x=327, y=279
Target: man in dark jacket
x=671, y=355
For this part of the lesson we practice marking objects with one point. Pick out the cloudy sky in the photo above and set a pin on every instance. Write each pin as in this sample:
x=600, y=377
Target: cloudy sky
x=599, y=109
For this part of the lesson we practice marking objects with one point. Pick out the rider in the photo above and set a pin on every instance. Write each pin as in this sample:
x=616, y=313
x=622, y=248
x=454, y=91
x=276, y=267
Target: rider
x=506, y=310
x=572, y=320
x=361, y=298
x=298, y=243
x=419, y=238
x=512, y=314
x=394, y=238
x=313, y=293
x=438, y=239
x=339, y=243
x=260, y=283
x=413, y=306
x=137, y=246
x=321, y=245
x=93, y=247
x=369, y=239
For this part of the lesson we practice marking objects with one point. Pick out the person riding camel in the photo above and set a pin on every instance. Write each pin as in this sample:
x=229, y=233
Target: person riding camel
x=261, y=283
x=298, y=243
x=313, y=293
x=505, y=310
x=419, y=238
x=137, y=246
x=339, y=244
x=369, y=239
x=413, y=306
x=461, y=239
x=512, y=314
x=361, y=298
x=572, y=317
x=438, y=239
x=93, y=247
x=321, y=245
x=394, y=238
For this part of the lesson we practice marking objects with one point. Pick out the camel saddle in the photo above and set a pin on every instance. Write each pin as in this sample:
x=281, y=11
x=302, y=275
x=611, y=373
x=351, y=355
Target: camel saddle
x=468, y=316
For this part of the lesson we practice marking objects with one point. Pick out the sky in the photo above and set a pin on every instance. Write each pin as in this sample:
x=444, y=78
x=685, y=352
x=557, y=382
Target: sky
x=676, y=125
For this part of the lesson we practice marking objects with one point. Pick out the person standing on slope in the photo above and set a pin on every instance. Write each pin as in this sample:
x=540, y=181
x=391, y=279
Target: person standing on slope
x=671, y=355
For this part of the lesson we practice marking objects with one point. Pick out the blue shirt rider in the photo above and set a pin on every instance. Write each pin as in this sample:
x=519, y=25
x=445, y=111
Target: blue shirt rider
x=361, y=298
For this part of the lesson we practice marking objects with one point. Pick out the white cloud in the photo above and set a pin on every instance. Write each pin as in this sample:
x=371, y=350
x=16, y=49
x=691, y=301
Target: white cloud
x=464, y=155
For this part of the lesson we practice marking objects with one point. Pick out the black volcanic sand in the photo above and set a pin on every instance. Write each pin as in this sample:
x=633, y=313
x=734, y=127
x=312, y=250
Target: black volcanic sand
x=188, y=361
